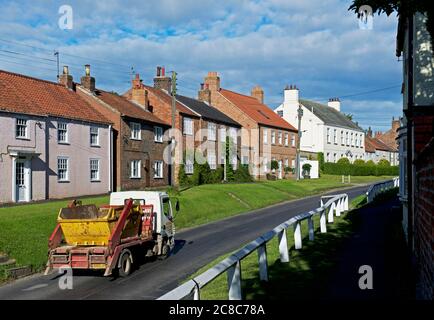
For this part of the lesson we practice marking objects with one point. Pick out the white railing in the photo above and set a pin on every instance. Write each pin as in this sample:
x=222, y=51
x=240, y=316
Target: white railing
x=232, y=265
x=377, y=188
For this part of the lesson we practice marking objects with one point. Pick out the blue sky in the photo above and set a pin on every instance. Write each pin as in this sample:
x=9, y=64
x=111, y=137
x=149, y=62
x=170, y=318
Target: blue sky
x=315, y=44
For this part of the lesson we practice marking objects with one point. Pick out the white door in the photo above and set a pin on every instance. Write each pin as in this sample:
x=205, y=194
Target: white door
x=22, y=180
x=280, y=169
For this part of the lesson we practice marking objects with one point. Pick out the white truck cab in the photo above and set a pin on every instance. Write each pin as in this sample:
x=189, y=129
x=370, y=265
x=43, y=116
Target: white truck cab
x=163, y=212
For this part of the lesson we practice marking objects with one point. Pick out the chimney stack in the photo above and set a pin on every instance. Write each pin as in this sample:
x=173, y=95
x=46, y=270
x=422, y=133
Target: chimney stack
x=395, y=124
x=291, y=96
x=66, y=79
x=369, y=132
x=258, y=94
x=204, y=93
x=87, y=81
x=335, y=103
x=212, y=81
x=161, y=81
x=138, y=92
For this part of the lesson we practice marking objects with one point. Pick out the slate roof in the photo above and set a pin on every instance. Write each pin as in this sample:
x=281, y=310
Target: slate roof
x=27, y=95
x=127, y=108
x=329, y=115
x=259, y=112
x=206, y=111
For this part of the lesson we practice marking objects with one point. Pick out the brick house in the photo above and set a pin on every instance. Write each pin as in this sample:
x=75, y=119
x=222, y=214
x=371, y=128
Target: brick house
x=264, y=136
x=139, y=143
x=389, y=138
x=53, y=143
x=376, y=149
x=414, y=45
x=191, y=116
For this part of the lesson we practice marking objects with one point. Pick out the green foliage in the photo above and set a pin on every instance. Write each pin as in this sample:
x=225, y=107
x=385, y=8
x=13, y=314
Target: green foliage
x=242, y=174
x=343, y=161
x=306, y=167
x=321, y=161
x=288, y=170
x=360, y=170
x=370, y=163
x=384, y=163
x=274, y=165
x=359, y=162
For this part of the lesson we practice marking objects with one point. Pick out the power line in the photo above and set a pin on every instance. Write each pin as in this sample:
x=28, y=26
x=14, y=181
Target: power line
x=27, y=55
x=26, y=65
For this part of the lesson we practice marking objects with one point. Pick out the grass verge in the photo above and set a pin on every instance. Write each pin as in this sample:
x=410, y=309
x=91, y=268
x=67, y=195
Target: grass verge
x=24, y=229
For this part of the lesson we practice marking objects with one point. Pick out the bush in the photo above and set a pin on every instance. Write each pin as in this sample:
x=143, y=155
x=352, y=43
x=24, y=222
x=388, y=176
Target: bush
x=242, y=174
x=321, y=161
x=343, y=161
x=370, y=163
x=274, y=165
x=359, y=162
x=384, y=163
x=360, y=170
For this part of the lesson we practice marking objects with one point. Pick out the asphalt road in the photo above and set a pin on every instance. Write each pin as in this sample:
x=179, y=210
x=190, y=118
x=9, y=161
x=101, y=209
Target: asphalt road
x=194, y=248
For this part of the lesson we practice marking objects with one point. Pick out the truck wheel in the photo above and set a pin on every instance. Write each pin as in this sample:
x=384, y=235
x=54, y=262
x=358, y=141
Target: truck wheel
x=125, y=264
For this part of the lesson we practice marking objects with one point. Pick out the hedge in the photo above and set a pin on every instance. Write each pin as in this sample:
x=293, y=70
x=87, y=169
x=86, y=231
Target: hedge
x=360, y=170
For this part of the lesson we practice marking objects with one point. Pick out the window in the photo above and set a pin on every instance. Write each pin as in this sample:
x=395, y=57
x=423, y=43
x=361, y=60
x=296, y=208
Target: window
x=212, y=131
x=347, y=141
x=212, y=159
x=21, y=128
x=335, y=136
x=167, y=207
x=233, y=135
x=94, y=136
x=62, y=169
x=265, y=162
x=342, y=138
x=328, y=157
x=265, y=136
x=334, y=157
x=62, y=132
x=135, y=169
x=223, y=134
x=188, y=126
x=158, y=169
x=158, y=134
x=328, y=135
x=286, y=163
x=286, y=139
x=293, y=140
x=136, y=132
x=273, y=137
x=234, y=161
x=189, y=165
x=280, y=137
x=94, y=170
x=352, y=139
x=280, y=113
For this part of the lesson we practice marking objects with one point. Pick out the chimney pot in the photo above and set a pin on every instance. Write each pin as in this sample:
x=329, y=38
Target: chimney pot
x=87, y=81
x=87, y=69
x=66, y=79
x=65, y=70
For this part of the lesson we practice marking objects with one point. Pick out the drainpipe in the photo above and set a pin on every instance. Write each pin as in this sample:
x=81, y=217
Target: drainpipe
x=110, y=157
x=410, y=138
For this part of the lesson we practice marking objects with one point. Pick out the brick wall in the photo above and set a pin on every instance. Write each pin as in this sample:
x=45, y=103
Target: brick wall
x=424, y=220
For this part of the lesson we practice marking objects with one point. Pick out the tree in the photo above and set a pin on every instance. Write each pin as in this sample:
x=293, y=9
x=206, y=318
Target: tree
x=384, y=163
x=359, y=162
x=349, y=116
x=403, y=8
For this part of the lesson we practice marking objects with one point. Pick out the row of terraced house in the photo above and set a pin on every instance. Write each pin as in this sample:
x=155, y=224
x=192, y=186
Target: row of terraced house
x=67, y=139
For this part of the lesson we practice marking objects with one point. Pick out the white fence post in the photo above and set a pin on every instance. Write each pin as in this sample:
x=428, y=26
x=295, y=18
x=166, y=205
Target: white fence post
x=263, y=264
x=311, y=229
x=283, y=246
x=297, y=236
x=196, y=295
x=338, y=208
x=322, y=221
x=234, y=281
x=331, y=213
x=346, y=207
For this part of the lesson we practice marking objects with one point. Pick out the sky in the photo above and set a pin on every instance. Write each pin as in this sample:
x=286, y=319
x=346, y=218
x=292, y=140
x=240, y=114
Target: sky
x=316, y=45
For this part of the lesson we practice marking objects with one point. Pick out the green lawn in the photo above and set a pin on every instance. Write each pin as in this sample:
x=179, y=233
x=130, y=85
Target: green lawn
x=306, y=272
x=24, y=229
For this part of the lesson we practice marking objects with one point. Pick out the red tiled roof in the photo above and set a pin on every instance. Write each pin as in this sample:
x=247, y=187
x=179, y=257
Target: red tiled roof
x=27, y=95
x=259, y=112
x=126, y=107
x=372, y=144
x=165, y=98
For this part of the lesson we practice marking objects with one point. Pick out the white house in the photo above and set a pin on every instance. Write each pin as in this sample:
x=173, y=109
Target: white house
x=324, y=128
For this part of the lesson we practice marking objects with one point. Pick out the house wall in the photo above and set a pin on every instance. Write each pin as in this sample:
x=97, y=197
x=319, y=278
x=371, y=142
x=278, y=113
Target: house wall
x=340, y=149
x=79, y=152
x=424, y=221
x=35, y=143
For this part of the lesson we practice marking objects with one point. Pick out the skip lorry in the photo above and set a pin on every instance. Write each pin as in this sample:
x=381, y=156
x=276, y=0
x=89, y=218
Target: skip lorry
x=107, y=237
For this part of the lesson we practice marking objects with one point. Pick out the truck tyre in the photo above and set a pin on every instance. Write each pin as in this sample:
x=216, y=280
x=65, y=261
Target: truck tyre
x=125, y=264
x=164, y=251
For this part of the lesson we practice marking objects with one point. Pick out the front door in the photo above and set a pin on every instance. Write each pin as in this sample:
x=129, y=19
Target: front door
x=280, y=169
x=22, y=180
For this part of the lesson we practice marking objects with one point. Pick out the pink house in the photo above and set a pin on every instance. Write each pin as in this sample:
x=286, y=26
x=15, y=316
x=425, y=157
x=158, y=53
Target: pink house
x=53, y=144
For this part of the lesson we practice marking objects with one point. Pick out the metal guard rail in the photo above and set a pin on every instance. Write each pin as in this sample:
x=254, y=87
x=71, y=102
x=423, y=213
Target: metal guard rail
x=232, y=265
x=377, y=188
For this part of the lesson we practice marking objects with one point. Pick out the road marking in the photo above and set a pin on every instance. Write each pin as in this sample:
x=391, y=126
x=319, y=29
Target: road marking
x=35, y=287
